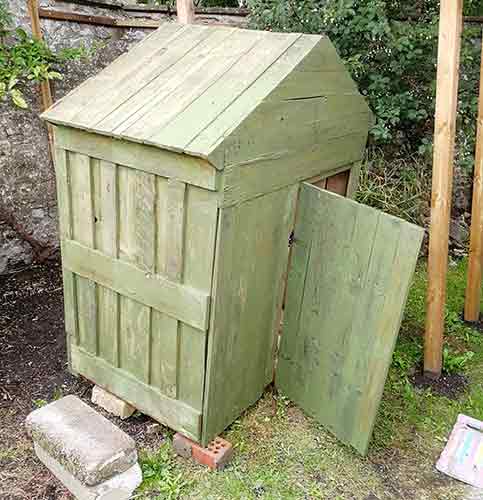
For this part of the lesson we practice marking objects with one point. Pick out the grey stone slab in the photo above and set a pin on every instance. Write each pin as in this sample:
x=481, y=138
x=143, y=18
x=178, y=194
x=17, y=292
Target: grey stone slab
x=118, y=487
x=85, y=443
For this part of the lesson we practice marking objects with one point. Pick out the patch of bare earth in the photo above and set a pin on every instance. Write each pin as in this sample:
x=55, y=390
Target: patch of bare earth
x=33, y=370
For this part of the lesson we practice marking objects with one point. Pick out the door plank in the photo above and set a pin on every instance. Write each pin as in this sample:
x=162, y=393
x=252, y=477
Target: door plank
x=348, y=284
x=80, y=174
x=106, y=206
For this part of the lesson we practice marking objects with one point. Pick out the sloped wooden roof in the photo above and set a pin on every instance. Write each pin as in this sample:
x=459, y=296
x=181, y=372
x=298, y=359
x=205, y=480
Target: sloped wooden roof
x=186, y=88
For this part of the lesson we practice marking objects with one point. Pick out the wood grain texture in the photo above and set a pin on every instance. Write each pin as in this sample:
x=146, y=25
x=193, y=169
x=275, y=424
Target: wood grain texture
x=176, y=193
x=106, y=236
x=247, y=294
x=338, y=183
x=65, y=232
x=348, y=283
x=473, y=286
x=140, y=157
x=185, y=11
x=147, y=399
x=251, y=179
x=185, y=303
x=152, y=94
x=86, y=98
x=450, y=27
x=83, y=230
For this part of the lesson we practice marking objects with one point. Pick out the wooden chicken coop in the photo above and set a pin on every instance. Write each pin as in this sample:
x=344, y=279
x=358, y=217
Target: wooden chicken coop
x=188, y=171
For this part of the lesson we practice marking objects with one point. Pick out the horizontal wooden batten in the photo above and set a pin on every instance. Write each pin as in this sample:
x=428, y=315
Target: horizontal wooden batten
x=191, y=170
x=184, y=303
x=173, y=413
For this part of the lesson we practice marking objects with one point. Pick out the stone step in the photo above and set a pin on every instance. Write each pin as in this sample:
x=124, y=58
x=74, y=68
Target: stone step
x=92, y=457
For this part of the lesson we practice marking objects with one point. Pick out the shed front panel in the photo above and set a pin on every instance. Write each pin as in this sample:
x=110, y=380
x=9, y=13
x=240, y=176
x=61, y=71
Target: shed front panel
x=138, y=253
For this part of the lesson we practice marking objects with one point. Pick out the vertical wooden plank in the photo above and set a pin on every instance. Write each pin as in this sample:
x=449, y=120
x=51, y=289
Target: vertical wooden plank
x=185, y=11
x=338, y=183
x=473, y=286
x=353, y=185
x=450, y=26
x=136, y=245
x=176, y=223
x=164, y=345
x=45, y=91
x=83, y=232
x=164, y=353
x=200, y=221
x=65, y=231
x=244, y=314
x=106, y=207
x=346, y=295
x=191, y=366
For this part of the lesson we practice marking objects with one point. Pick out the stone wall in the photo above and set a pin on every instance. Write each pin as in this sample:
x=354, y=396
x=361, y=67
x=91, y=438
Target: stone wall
x=28, y=212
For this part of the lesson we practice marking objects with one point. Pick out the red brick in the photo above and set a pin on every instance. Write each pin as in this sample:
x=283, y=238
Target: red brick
x=215, y=456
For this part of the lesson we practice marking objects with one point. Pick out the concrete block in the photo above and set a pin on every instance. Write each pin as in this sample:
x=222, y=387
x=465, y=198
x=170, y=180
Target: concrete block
x=215, y=456
x=119, y=487
x=86, y=444
x=111, y=403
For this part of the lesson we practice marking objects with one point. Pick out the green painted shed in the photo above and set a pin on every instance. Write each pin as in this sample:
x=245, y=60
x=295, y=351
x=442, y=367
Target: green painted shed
x=190, y=172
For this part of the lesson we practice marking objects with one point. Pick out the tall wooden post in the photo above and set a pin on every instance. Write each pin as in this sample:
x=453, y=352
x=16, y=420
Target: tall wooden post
x=46, y=94
x=185, y=11
x=450, y=26
x=473, y=287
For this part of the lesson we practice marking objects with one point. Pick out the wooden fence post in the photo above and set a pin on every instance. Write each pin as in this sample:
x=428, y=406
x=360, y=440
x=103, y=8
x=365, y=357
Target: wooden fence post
x=473, y=287
x=450, y=26
x=185, y=11
x=46, y=94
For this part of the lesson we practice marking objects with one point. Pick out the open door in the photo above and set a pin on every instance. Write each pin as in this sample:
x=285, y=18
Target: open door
x=350, y=273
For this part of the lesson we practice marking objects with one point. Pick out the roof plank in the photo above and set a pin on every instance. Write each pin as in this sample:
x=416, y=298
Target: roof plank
x=187, y=124
x=217, y=68
x=79, y=101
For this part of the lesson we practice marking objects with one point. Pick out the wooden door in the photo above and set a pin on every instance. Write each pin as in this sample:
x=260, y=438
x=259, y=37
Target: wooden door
x=348, y=282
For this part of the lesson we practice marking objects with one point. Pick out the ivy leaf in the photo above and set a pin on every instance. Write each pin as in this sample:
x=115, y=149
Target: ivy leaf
x=12, y=82
x=54, y=75
x=18, y=99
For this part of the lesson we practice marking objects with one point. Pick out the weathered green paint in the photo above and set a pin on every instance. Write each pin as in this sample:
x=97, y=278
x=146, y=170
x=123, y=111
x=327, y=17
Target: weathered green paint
x=146, y=398
x=252, y=259
x=155, y=161
x=177, y=300
x=200, y=89
x=348, y=283
x=178, y=170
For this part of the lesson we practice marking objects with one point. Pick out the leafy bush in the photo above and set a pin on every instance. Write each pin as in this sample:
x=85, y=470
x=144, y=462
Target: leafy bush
x=24, y=59
x=390, y=47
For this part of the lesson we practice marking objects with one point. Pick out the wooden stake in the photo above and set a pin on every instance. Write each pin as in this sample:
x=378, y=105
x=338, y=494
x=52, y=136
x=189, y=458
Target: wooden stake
x=185, y=11
x=450, y=26
x=473, y=287
x=45, y=92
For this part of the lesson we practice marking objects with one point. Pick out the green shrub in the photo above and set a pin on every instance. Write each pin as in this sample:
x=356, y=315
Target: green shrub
x=390, y=47
x=24, y=60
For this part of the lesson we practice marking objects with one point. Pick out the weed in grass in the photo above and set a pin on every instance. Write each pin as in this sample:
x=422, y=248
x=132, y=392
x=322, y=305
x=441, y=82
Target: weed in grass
x=161, y=480
x=454, y=362
x=38, y=403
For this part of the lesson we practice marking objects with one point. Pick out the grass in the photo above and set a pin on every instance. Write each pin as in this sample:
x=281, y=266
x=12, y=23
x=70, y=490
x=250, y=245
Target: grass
x=281, y=454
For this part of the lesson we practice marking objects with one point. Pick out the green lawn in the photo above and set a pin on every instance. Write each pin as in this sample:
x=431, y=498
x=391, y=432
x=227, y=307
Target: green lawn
x=281, y=454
